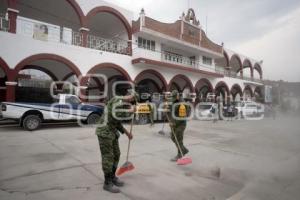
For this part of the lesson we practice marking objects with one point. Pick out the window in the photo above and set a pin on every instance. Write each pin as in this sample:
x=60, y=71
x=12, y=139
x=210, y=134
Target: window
x=140, y=41
x=146, y=44
x=72, y=100
x=207, y=60
x=152, y=45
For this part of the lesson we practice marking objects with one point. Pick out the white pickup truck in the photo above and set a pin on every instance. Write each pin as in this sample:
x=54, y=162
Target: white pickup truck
x=65, y=108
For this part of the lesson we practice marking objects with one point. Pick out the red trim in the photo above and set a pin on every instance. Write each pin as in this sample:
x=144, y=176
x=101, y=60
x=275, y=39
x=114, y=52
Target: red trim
x=78, y=11
x=226, y=57
x=110, y=65
x=21, y=65
x=222, y=84
x=206, y=82
x=239, y=61
x=112, y=11
x=153, y=72
x=188, y=81
x=84, y=35
x=12, y=4
x=10, y=90
x=12, y=16
x=93, y=70
x=174, y=66
x=116, y=13
x=6, y=69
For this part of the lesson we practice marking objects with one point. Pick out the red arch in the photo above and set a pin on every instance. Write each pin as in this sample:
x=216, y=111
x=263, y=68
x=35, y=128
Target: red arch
x=205, y=81
x=112, y=11
x=78, y=11
x=239, y=61
x=94, y=69
x=220, y=84
x=247, y=87
x=227, y=58
x=152, y=81
x=155, y=73
x=257, y=67
x=188, y=81
x=13, y=4
x=250, y=65
x=6, y=69
x=239, y=89
x=27, y=61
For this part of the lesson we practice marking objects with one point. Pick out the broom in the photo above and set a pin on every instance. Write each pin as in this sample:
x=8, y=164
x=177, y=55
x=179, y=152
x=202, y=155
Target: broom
x=183, y=160
x=127, y=166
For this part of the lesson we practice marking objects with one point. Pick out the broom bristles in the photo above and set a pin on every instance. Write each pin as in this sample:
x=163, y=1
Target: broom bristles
x=184, y=161
x=125, y=169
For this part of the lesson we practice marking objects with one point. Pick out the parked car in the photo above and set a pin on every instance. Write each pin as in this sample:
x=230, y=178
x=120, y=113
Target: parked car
x=260, y=108
x=249, y=108
x=207, y=110
x=64, y=108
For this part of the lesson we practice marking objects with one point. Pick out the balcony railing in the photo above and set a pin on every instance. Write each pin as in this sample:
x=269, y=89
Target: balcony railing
x=53, y=33
x=171, y=58
x=76, y=38
x=4, y=23
x=188, y=62
x=176, y=59
x=115, y=46
x=233, y=74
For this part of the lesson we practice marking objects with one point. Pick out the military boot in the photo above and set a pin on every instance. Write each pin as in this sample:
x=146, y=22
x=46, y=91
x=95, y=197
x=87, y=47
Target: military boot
x=115, y=180
x=109, y=186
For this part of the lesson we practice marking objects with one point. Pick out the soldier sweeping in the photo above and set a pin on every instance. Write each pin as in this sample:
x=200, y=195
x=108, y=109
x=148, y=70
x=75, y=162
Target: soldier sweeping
x=178, y=123
x=108, y=135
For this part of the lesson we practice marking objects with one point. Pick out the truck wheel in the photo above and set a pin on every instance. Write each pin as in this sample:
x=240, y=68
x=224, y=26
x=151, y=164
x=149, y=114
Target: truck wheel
x=31, y=122
x=93, y=118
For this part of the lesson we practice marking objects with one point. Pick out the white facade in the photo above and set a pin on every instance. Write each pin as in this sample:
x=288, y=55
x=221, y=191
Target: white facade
x=62, y=50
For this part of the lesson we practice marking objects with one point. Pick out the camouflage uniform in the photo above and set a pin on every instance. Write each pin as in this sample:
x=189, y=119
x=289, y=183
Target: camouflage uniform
x=108, y=135
x=178, y=125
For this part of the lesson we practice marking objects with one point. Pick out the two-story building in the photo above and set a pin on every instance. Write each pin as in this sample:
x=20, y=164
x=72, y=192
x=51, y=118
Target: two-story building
x=68, y=40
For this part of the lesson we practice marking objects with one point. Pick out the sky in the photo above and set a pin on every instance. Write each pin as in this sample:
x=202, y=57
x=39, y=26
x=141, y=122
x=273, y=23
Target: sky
x=267, y=30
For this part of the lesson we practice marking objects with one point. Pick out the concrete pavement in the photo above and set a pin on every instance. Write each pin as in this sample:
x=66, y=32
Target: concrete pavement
x=257, y=159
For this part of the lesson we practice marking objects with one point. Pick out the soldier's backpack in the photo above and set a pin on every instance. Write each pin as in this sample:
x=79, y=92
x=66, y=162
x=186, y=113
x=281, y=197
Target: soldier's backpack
x=182, y=111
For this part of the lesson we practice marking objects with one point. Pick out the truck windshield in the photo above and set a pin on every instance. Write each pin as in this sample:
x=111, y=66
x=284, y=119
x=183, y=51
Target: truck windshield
x=204, y=107
x=72, y=100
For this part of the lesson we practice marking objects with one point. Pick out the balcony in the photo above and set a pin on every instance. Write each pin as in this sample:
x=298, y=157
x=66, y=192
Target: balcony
x=166, y=58
x=233, y=74
x=53, y=33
